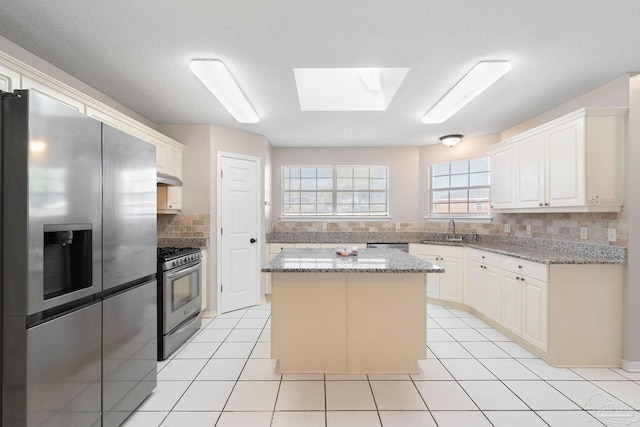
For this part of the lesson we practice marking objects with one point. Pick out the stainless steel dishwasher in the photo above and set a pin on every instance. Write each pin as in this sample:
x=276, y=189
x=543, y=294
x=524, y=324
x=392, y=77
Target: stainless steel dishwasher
x=402, y=246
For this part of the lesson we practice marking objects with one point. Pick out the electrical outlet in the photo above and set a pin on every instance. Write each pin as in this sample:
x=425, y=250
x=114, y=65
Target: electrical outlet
x=583, y=233
x=529, y=229
x=611, y=234
x=507, y=228
x=397, y=226
x=324, y=225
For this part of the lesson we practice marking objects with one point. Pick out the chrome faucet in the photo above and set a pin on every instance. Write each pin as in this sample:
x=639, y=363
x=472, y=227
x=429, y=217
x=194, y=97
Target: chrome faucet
x=451, y=232
x=452, y=225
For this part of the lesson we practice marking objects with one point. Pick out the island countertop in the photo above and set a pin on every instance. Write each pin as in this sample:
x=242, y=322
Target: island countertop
x=303, y=260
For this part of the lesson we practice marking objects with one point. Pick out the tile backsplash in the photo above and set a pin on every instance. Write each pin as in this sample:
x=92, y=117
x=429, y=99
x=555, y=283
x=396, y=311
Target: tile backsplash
x=184, y=226
x=553, y=226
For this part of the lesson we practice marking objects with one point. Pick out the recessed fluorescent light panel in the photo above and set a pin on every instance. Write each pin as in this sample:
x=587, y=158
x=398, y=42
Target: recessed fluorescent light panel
x=215, y=76
x=347, y=89
x=483, y=75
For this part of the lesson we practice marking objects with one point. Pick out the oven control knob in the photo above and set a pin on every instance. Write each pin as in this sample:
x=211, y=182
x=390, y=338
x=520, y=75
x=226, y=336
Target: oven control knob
x=173, y=264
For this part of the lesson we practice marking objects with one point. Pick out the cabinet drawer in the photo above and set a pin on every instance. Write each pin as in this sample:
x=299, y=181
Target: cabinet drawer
x=440, y=250
x=531, y=269
x=484, y=257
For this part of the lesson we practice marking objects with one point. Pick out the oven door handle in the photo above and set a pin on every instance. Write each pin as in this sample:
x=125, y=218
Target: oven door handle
x=181, y=272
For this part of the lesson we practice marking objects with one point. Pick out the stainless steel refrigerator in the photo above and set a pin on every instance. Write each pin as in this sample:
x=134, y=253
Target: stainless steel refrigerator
x=78, y=279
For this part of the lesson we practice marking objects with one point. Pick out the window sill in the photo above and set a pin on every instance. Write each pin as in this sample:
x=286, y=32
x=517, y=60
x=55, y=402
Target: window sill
x=459, y=218
x=333, y=218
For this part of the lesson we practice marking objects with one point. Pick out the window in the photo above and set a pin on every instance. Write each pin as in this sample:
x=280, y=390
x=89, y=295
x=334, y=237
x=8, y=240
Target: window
x=460, y=188
x=335, y=191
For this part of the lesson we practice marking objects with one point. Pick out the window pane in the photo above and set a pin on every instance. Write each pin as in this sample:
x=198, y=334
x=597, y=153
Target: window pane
x=379, y=208
x=345, y=184
x=461, y=208
x=295, y=172
x=328, y=208
x=459, y=181
x=294, y=197
x=307, y=197
x=441, y=181
x=378, y=184
x=360, y=184
x=325, y=183
x=479, y=194
x=459, y=195
x=325, y=172
x=308, y=172
x=308, y=184
x=378, y=198
x=441, y=208
x=324, y=197
x=292, y=209
x=440, y=169
x=294, y=184
x=361, y=197
x=308, y=208
x=361, y=172
x=460, y=167
x=285, y=184
x=477, y=179
x=344, y=172
x=378, y=172
x=345, y=197
x=479, y=165
x=440, y=196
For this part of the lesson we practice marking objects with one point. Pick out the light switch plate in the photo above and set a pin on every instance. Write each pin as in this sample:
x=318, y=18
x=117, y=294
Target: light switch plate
x=324, y=225
x=507, y=228
x=583, y=233
x=528, y=228
x=611, y=234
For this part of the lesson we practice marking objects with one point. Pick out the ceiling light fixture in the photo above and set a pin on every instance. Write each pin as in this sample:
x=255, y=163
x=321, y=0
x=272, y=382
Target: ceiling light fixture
x=483, y=75
x=215, y=76
x=450, y=140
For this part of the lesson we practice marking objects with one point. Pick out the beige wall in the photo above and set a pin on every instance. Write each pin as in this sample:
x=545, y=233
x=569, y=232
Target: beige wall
x=403, y=165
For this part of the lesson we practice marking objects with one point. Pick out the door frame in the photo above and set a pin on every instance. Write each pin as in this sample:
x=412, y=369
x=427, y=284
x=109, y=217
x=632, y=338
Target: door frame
x=260, y=234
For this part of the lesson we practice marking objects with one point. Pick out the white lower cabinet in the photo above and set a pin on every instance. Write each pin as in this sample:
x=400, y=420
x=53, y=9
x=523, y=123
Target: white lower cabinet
x=448, y=286
x=484, y=282
x=525, y=300
x=534, y=304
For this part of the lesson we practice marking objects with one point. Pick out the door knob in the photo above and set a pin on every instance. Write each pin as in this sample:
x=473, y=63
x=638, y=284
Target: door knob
x=252, y=240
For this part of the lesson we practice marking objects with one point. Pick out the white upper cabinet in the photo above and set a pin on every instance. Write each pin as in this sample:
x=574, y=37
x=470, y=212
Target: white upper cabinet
x=530, y=179
x=572, y=164
x=9, y=79
x=503, y=190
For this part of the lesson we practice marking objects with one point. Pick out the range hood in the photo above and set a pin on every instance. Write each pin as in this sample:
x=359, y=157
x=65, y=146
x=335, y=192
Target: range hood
x=166, y=179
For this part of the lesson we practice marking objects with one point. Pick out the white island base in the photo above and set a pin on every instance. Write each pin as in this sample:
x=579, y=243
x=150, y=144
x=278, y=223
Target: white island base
x=348, y=322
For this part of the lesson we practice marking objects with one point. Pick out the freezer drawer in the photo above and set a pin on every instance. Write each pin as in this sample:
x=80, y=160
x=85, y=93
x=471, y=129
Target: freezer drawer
x=52, y=371
x=129, y=351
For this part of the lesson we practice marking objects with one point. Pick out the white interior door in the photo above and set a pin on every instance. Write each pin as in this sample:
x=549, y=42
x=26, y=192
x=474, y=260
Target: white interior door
x=239, y=219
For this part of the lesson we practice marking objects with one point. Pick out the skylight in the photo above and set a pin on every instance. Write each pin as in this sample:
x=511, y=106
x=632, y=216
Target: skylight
x=347, y=89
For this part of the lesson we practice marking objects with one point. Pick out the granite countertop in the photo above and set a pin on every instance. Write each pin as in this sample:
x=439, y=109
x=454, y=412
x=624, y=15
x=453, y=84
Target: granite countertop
x=532, y=249
x=367, y=261
x=546, y=255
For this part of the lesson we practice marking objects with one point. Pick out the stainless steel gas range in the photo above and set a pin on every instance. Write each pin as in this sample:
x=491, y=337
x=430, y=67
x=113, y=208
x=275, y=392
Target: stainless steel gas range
x=179, y=297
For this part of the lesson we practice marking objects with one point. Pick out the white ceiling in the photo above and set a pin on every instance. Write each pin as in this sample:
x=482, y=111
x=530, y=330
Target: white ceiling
x=138, y=53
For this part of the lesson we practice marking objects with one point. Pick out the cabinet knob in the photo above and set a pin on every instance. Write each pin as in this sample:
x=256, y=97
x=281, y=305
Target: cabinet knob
x=546, y=204
x=522, y=279
x=517, y=278
x=519, y=266
x=540, y=204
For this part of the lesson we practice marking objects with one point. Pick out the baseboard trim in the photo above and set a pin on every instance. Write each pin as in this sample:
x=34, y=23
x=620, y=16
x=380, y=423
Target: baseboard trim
x=630, y=366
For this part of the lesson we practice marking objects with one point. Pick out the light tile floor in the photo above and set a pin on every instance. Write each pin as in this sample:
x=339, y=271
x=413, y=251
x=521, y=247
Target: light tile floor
x=473, y=376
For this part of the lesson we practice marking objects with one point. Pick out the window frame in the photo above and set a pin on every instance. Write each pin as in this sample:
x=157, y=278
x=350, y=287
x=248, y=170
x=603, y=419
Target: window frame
x=469, y=216
x=335, y=213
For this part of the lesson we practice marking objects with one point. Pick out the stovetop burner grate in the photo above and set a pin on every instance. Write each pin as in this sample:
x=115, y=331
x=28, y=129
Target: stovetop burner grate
x=171, y=252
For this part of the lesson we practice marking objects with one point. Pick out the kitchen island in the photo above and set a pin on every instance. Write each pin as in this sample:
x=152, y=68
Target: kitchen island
x=364, y=313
